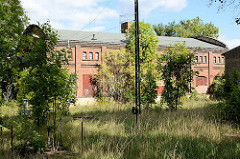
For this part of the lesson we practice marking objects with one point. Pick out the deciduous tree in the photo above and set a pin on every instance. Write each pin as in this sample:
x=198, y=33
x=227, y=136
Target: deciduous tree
x=228, y=3
x=187, y=28
x=176, y=73
x=117, y=74
x=43, y=79
x=148, y=43
x=12, y=23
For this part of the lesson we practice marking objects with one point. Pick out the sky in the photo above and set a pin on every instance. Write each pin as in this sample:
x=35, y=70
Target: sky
x=106, y=15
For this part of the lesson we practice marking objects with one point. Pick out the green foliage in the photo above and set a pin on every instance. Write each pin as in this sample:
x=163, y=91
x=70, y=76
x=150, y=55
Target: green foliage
x=148, y=44
x=28, y=140
x=194, y=95
x=175, y=65
x=187, y=28
x=12, y=23
x=218, y=86
x=149, y=88
x=116, y=74
x=42, y=79
x=232, y=98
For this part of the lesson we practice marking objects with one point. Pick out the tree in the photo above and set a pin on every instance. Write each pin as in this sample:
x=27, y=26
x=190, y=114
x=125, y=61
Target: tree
x=149, y=87
x=176, y=73
x=12, y=23
x=41, y=77
x=187, y=28
x=116, y=74
x=148, y=43
x=228, y=3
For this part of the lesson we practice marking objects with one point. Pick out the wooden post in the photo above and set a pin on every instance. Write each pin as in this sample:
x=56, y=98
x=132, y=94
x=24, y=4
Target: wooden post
x=82, y=136
x=1, y=134
x=12, y=138
x=61, y=134
x=2, y=138
x=55, y=116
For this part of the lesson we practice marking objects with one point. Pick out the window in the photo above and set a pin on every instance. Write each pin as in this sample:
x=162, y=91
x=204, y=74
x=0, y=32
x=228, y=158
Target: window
x=222, y=59
x=90, y=55
x=196, y=58
x=57, y=53
x=70, y=55
x=214, y=59
x=84, y=55
x=201, y=59
x=63, y=55
x=219, y=60
x=205, y=59
x=96, y=56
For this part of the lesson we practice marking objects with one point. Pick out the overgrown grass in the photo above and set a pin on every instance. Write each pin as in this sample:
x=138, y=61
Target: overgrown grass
x=112, y=132
x=185, y=133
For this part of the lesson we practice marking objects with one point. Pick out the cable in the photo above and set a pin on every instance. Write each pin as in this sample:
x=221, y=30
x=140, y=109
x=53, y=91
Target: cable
x=97, y=15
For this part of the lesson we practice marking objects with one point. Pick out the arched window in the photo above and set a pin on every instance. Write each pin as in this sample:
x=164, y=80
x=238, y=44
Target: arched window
x=96, y=56
x=90, y=55
x=84, y=55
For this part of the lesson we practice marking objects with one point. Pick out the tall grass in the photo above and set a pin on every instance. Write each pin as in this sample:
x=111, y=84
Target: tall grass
x=111, y=132
x=185, y=133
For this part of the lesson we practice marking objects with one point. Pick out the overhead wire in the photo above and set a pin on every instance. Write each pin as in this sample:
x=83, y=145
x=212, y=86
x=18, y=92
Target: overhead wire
x=97, y=15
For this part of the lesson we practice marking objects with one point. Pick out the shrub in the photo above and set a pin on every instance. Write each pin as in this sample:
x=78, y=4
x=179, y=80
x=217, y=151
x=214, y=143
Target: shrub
x=230, y=110
x=194, y=95
x=218, y=86
x=28, y=139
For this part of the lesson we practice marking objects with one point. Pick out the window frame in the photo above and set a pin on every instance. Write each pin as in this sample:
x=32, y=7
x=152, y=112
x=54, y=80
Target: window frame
x=205, y=59
x=201, y=59
x=196, y=59
x=97, y=56
x=84, y=55
x=214, y=59
x=90, y=56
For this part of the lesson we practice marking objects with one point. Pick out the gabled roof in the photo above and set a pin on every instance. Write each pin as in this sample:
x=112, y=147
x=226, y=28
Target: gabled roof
x=117, y=38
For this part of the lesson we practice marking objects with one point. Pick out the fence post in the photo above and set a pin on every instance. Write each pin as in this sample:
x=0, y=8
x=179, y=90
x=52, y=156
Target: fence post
x=12, y=138
x=1, y=135
x=2, y=138
x=61, y=133
x=82, y=136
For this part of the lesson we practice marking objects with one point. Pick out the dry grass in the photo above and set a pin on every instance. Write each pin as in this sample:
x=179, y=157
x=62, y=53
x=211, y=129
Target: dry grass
x=185, y=133
x=189, y=132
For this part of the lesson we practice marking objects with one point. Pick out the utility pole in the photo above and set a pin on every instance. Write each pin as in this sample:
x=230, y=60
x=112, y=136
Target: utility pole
x=137, y=108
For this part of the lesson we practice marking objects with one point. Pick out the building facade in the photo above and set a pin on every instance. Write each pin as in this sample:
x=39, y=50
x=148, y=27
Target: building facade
x=85, y=50
x=232, y=60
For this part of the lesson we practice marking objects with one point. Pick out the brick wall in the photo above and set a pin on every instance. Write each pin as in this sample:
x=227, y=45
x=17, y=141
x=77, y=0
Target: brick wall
x=86, y=65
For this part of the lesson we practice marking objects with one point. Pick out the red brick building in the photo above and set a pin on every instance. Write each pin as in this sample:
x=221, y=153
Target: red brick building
x=87, y=49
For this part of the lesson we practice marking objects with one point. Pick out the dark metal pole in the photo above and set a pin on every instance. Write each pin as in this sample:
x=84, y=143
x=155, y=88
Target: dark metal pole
x=137, y=63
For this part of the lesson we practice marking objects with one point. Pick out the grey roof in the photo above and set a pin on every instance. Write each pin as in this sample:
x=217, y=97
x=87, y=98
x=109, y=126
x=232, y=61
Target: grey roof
x=117, y=38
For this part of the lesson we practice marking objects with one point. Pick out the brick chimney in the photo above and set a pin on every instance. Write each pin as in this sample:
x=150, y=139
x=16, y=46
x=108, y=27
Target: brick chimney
x=125, y=26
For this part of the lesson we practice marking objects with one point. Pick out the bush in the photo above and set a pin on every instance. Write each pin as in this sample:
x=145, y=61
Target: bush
x=194, y=95
x=230, y=110
x=28, y=139
x=218, y=88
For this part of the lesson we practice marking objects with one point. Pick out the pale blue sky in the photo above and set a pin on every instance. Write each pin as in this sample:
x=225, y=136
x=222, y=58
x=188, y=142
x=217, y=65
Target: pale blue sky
x=80, y=14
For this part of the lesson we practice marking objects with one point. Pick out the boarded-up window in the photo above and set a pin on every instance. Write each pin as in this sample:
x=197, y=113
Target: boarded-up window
x=201, y=81
x=88, y=88
x=160, y=90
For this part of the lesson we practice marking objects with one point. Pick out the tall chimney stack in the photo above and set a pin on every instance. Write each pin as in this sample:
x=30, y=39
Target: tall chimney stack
x=125, y=26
